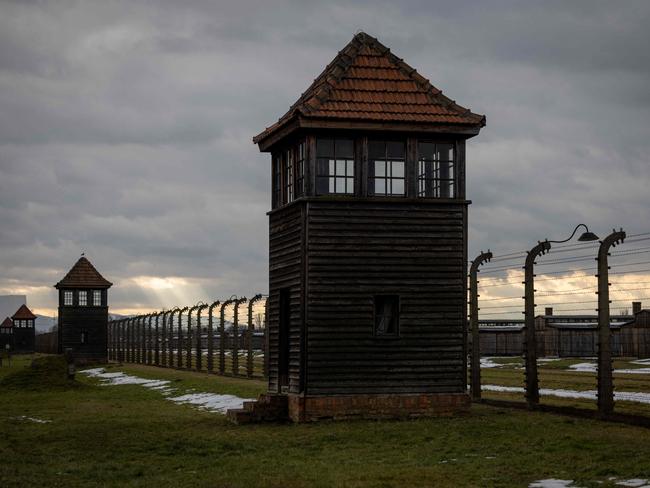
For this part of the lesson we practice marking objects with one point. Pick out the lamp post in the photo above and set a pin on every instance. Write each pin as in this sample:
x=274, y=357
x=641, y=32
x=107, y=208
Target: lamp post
x=530, y=349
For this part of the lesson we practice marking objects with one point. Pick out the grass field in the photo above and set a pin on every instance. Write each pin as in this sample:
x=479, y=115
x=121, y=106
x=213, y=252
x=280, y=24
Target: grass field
x=83, y=434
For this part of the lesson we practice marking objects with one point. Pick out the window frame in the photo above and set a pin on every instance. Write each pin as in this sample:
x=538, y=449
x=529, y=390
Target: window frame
x=68, y=294
x=95, y=294
x=398, y=309
x=388, y=162
x=84, y=294
x=431, y=186
x=332, y=162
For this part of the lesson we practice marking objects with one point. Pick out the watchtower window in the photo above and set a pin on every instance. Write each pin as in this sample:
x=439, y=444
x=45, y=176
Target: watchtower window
x=97, y=298
x=287, y=175
x=334, y=166
x=436, y=170
x=68, y=298
x=83, y=298
x=386, y=168
x=300, y=170
x=387, y=315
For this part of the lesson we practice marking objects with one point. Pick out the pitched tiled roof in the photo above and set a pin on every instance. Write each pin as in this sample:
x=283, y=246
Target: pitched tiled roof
x=23, y=313
x=83, y=275
x=366, y=82
x=6, y=323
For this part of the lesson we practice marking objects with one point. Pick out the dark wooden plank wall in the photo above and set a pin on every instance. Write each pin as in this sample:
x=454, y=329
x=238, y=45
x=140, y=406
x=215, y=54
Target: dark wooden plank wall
x=94, y=320
x=359, y=249
x=285, y=271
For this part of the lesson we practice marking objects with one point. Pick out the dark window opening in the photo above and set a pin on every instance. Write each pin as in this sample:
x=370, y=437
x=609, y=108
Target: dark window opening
x=387, y=315
x=84, y=337
x=386, y=168
x=287, y=175
x=334, y=166
x=436, y=170
x=277, y=181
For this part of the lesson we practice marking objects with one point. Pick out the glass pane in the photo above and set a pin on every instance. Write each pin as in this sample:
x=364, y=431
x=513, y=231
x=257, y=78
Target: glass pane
x=340, y=167
x=376, y=150
x=445, y=152
x=344, y=148
x=425, y=150
x=380, y=186
x=380, y=168
x=397, y=169
x=332, y=185
x=349, y=187
x=332, y=167
x=350, y=168
x=324, y=148
x=395, y=150
x=398, y=187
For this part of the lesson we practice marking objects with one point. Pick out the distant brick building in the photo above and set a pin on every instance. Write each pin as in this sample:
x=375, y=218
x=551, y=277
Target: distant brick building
x=83, y=312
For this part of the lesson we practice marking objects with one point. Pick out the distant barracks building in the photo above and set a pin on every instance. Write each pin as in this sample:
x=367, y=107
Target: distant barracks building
x=83, y=313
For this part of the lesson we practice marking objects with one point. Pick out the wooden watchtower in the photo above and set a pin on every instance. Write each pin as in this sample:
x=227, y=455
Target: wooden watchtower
x=24, y=330
x=368, y=242
x=83, y=313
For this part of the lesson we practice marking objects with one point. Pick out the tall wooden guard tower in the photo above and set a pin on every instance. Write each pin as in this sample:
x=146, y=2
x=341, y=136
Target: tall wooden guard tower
x=368, y=242
x=83, y=313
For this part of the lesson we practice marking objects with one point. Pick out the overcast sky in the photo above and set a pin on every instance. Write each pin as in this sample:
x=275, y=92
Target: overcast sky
x=125, y=128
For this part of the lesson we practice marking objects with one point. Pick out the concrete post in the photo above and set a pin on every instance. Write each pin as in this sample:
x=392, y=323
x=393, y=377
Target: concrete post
x=249, y=336
x=211, y=335
x=222, y=336
x=475, y=370
x=530, y=343
x=179, y=347
x=605, y=383
x=199, y=338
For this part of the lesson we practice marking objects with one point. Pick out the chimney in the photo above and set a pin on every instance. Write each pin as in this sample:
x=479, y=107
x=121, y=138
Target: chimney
x=548, y=311
x=636, y=307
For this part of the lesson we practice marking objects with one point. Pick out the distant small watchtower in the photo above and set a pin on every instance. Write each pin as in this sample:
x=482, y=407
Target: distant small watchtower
x=24, y=330
x=6, y=335
x=368, y=242
x=83, y=313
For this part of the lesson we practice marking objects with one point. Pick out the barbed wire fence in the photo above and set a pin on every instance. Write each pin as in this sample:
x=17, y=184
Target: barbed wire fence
x=567, y=284
x=226, y=337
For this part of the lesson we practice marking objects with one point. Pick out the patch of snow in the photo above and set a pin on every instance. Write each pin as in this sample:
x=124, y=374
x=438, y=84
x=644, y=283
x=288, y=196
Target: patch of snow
x=552, y=483
x=643, y=362
x=593, y=368
x=634, y=483
x=31, y=419
x=212, y=402
x=206, y=401
x=585, y=395
x=488, y=363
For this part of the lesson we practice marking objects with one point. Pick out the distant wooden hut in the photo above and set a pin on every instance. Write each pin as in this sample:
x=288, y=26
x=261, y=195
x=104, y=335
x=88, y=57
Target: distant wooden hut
x=83, y=313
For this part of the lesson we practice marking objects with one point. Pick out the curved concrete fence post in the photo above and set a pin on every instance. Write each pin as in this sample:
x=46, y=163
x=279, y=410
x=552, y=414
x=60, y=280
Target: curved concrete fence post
x=605, y=382
x=211, y=335
x=475, y=370
x=249, y=336
x=199, y=337
x=222, y=335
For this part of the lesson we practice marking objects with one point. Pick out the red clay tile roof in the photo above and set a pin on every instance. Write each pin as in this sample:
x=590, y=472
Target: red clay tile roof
x=83, y=275
x=365, y=81
x=23, y=313
x=6, y=323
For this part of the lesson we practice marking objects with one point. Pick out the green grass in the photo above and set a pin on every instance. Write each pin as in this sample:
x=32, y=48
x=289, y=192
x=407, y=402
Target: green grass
x=131, y=436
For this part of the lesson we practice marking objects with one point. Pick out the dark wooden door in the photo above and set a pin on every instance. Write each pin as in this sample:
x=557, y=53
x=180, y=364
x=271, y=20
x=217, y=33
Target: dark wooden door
x=283, y=339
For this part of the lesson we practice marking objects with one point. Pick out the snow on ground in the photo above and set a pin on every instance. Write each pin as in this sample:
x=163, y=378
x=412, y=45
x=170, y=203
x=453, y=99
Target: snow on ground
x=585, y=395
x=31, y=419
x=213, y=402
x=552, y=483
x=593, y=368
x=488, y=363
x=555, y=483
